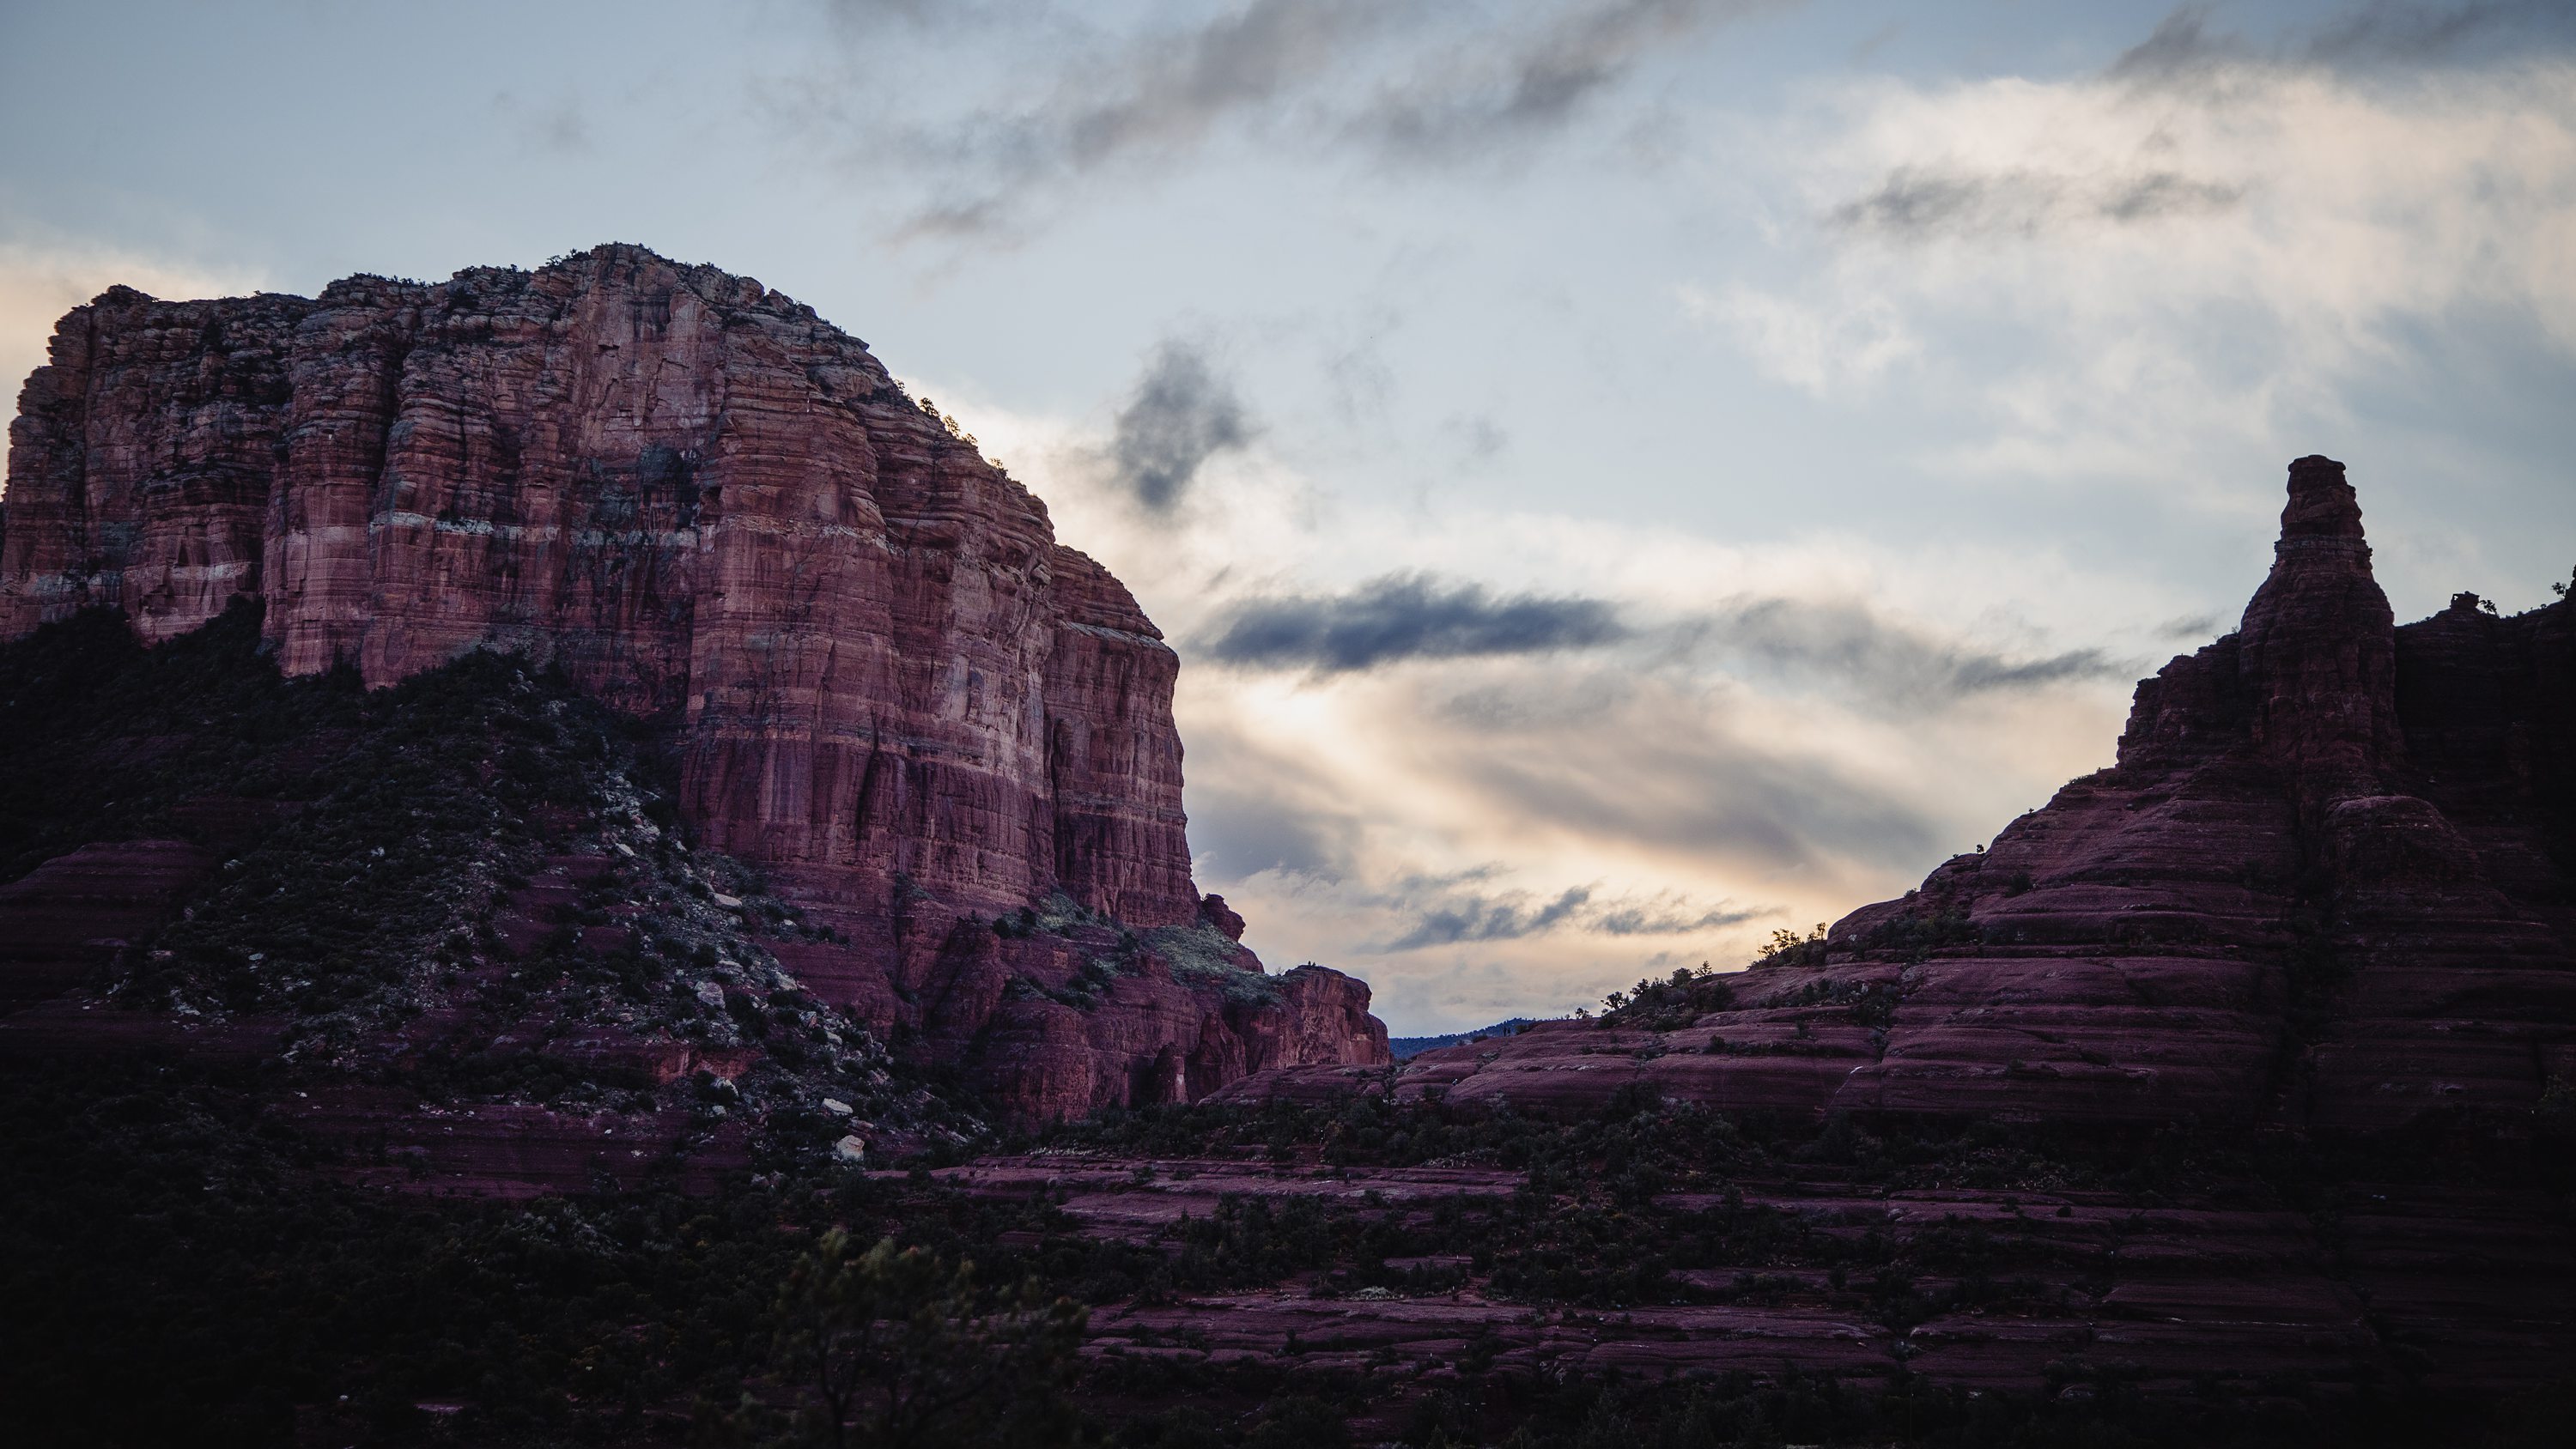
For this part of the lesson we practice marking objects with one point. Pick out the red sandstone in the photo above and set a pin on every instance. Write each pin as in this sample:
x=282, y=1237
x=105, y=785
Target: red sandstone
x=885, y=679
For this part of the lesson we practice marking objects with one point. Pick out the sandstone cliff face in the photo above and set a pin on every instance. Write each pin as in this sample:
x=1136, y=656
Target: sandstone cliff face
x=691, y=493
x=2328, y=882
x=882, y=677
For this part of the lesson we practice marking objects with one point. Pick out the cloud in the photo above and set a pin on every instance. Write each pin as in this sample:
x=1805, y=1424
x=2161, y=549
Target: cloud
x=2184, y=47
x=1170, y=89
x=559, y=126
x=1849, y=643
x=1817, y=349
x=1157, y=93
x=870, y=18
x=2389, y=31
x=1479, y=438
x=1838, y=642
x=2098, y=277
x=1440, y=914
x=1238, y=829
x=1658, y=921
x=1477, y=918
x=1071, y=100
x=1181, y=414
x=2180, y=44
x=1403, y=617
x=1536, y=81
x=1911, y=204
x=1678, y=769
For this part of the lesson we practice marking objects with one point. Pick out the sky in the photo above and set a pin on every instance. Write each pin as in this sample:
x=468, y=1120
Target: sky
x=1624, y=477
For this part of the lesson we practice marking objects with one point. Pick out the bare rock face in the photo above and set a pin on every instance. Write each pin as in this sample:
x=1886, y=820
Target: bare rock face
x=2329, y=882
x=883, y=678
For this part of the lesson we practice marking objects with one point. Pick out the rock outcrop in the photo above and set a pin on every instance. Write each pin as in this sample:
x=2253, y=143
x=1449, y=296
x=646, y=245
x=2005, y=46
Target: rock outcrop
x=881, y=677
x=2331, y=881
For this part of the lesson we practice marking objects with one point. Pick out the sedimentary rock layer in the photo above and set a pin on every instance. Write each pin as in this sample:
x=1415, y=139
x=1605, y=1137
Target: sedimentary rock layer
x=2328, y=882
x=881, y=676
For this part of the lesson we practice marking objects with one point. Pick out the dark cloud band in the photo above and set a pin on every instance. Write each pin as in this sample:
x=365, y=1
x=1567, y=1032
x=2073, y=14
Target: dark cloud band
x=1401, y=618
x=1404, y=617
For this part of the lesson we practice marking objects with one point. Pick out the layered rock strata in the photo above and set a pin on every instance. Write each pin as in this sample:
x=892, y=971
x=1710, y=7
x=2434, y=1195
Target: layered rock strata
x=881, y=676
x=2331, y=880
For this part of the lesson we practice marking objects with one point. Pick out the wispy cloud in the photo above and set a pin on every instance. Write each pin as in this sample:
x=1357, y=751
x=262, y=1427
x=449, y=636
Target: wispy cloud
x=1449, y=917
x=1665, y=920
x=1536, y=79
x=2390, y=30
x=560, y=125
x=1848, y=642
x=1820, y=348
x=2185, y=45
x=1404, y=82
x=1158, y=93
x=1181, y=414
x=1913, y=203
x=1673, y=766
x=1481, y=918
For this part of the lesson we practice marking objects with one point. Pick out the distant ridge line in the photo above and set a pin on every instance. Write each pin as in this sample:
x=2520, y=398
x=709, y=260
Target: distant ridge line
x=1406, y=1047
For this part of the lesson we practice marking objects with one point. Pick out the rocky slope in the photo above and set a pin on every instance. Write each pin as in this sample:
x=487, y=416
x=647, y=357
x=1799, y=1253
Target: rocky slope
x=2331, y=881
x=883, y=684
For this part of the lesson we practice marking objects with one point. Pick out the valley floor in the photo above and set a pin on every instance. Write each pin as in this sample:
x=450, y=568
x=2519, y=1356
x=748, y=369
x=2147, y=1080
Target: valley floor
x=188, y=1263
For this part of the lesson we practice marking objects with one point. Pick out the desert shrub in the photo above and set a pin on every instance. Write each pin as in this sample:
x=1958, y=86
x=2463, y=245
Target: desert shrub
x=1671, y=1003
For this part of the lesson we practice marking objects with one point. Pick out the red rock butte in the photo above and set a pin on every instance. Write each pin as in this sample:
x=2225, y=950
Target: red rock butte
x=886, y=682
x=2330, y=883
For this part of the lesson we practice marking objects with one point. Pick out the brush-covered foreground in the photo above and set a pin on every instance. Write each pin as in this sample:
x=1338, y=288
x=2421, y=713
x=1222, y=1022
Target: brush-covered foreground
x=184, y=1265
